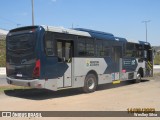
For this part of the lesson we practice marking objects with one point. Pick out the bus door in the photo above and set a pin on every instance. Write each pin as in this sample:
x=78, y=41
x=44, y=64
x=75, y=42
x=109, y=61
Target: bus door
x=64, y=50
x=148, y=55
x=117, y=54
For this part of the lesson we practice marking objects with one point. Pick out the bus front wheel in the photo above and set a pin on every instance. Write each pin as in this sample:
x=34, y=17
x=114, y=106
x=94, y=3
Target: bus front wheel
x=138, y=78
x=90, y=83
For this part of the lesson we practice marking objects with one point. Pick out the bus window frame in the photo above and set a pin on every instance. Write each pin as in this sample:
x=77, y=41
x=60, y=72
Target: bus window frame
x=81, y=38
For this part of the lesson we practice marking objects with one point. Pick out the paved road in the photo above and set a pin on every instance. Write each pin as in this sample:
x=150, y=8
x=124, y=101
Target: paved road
x=3, y=80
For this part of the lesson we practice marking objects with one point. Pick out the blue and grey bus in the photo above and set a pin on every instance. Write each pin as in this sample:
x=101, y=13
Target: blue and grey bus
x=57, y=58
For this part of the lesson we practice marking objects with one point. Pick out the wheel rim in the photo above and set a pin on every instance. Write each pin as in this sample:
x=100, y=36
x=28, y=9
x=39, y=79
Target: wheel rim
x=91, y=83
x=138, y=77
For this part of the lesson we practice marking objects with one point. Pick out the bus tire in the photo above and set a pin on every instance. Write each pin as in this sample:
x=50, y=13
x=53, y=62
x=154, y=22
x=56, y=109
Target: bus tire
x=138, y=78
x=90, y=83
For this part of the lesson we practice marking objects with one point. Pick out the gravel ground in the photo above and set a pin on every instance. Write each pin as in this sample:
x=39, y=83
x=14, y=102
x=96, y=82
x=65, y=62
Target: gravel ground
x=107, y=98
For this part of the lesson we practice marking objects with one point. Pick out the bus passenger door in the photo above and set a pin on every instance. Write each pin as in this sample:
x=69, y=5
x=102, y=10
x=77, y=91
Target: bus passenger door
x=117, y=50
x=64, y=50
x=68, y=60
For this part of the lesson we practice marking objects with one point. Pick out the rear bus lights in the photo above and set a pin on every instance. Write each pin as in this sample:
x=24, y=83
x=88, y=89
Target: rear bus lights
x=36, y=71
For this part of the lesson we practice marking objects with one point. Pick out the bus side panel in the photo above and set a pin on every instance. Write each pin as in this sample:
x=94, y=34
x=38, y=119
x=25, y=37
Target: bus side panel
x=131, y=67
x=82, y=66
x=141, y=65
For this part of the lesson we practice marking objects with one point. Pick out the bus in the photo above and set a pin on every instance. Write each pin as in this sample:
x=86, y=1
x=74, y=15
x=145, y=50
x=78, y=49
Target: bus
x=55, y=58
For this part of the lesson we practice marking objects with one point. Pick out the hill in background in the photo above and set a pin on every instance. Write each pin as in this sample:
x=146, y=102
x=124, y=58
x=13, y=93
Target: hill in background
x=156, y=48
x=157, y=55
x=2, y=53
x=3, y=34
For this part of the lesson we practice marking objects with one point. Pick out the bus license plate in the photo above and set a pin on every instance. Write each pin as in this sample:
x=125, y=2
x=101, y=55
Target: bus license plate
x=19, y=75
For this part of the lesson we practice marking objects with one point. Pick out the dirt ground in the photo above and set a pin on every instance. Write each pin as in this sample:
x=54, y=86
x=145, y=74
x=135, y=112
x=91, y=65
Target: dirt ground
x=107, y=98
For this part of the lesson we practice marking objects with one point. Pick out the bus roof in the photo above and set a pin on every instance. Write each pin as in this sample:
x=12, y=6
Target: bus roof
x=65, y=30
x=97, y=34
x=81, y=32
x=132, y=41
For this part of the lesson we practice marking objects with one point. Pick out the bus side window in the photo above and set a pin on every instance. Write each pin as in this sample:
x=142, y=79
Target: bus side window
x=89, y=47
x=138, y=51
x=60, y=51
x=49, y=45
x=107, y=51
x=130, y=50
x=99, y=48
x=49, y=48
x=86, y=47
x=81, y=48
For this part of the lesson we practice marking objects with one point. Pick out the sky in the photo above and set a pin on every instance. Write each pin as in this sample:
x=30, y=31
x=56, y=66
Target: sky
x=123, y=18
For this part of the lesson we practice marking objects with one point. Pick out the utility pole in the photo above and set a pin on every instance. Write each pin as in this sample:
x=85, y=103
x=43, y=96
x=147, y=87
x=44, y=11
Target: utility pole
x=32, y=12
x=146, y=26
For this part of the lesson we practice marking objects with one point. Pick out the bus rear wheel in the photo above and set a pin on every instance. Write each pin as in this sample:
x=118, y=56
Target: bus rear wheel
x=90, y=83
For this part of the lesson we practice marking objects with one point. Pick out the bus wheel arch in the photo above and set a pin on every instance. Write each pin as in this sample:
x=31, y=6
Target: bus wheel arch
x=140, y=71
x=90, y=82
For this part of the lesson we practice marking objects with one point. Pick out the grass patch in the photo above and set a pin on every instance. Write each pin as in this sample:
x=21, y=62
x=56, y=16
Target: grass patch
x=156, y=74
x=10, y=87
x=157, y=60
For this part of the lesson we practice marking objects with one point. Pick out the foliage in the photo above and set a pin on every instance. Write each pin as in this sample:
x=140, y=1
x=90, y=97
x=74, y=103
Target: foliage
x=2, y=53
x=11, y=87
x=157, y=60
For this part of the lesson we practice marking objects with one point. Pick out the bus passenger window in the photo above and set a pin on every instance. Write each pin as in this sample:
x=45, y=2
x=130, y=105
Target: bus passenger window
x=59, y=51
x=90, y=47
x=81, y=48
x=49, y=44
x=138, y=51
x=49, y=48
x=130, y=50
x=99, y=48
x=107, y=51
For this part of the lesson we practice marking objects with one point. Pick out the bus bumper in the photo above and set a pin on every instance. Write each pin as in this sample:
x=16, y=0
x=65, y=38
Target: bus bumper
x=36, y=83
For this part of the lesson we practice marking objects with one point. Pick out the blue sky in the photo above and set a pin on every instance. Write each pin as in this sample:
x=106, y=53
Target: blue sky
x=123, y=18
